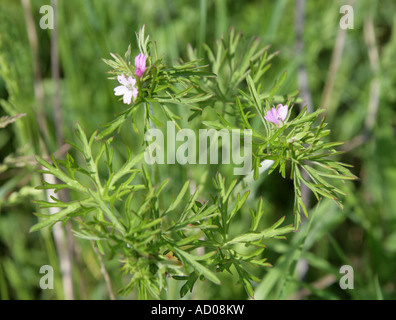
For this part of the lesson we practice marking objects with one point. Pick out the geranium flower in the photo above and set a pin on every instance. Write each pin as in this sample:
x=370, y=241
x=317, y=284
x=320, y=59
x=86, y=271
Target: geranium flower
x=127, y=89
x=276, y=115
x=140, y=64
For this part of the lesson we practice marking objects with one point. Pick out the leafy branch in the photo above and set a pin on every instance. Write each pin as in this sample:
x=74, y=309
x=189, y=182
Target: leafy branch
x=191, y=236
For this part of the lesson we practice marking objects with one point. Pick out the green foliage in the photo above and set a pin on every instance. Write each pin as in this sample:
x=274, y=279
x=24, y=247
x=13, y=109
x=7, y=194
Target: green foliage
x=143, y=232
x=297, y=143
x=248, y=81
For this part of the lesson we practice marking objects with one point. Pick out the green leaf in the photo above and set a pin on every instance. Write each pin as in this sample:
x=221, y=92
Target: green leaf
x=53, y=218
x=179, y=197
x=189, y=285
x=116, y=123
x=191, y=260
x=239, y=203
x=272, y=232
x=244, y=278
x=73, y=184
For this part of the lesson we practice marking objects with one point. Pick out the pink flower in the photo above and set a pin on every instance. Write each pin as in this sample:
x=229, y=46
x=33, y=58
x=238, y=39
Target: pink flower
x=127, y=89
x=278, y=114
x=140, y=64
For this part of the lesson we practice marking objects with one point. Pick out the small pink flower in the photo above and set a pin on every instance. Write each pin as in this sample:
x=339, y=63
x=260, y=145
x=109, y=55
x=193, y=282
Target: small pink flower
x=127, y=89
x=278, y=114
x=140, y=64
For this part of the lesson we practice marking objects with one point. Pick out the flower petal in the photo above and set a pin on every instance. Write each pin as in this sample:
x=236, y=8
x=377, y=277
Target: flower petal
x=131, y=80
x=135, y=92
x=272, y=116
x=140, y=64
x=128, y=97
x=139, y=72
x=274, y=113
x=137, y=60
x=140, y=61
x=282, y=112
x=121, y=79
x=120, y=90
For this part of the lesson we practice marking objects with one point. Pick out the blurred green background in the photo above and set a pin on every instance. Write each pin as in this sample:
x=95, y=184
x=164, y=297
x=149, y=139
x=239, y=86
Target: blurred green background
x=350, y=72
